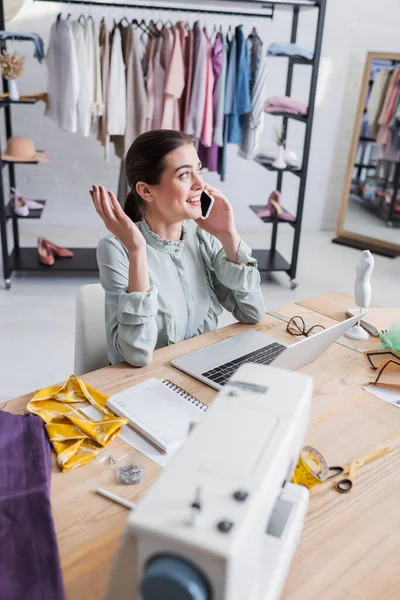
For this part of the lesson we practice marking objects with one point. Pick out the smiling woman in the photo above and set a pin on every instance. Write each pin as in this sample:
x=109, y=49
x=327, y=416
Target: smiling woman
x=166, y=272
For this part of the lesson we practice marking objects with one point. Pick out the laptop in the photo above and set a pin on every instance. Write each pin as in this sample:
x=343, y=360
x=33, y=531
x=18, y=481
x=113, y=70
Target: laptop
x=216, y=364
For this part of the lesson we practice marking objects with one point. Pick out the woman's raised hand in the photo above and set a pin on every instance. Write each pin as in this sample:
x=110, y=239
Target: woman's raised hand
x=116, y=221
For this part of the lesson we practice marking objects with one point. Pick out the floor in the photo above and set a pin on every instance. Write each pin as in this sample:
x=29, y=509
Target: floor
x=361, y=221
x=37, y=316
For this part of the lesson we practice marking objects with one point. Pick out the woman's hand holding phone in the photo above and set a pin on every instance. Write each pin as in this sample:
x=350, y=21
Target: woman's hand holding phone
x=220, y=221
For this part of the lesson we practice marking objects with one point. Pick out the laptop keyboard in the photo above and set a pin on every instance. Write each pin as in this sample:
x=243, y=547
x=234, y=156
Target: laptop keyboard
x=263, y=356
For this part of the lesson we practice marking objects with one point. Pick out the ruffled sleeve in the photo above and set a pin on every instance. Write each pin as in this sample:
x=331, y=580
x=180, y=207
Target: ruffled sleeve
x=130, y=317
x=236, y=286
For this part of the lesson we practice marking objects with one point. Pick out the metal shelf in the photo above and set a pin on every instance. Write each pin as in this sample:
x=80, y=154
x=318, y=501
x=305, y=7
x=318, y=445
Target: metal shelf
x=302, y=118
x=270, y=260
x=27, y=259
x=7, y=102
x=295, y=170
x=35, y=213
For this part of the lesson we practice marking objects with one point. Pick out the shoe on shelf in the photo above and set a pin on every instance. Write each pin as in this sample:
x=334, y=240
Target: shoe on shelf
x=282, y=214
x=58, y=251
x=23, y=205
x=46, y=256
x=269, y=209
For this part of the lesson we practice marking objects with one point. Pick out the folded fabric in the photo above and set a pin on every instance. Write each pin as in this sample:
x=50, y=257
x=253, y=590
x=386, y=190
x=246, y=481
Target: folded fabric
x=34, y=37
x=293, y=50
x=29, y=560
x=75, y=437
x=285, y=104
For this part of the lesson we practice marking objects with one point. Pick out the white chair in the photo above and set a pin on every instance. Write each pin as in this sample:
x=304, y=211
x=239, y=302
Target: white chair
x=90, y=330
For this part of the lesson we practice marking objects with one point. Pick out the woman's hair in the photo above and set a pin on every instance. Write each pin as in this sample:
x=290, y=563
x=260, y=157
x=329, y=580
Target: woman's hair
x=145, y=161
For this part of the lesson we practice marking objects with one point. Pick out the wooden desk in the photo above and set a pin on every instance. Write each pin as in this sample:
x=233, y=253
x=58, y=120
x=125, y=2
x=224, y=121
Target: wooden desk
x=350, y=543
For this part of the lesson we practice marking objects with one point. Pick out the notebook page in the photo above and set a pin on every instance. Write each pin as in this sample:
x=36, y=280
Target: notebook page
x=153, y=409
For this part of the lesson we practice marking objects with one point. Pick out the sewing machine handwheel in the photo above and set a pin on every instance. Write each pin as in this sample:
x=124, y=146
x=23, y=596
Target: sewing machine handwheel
x=172, y=578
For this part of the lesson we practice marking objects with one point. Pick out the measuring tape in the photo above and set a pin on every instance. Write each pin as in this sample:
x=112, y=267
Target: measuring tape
x=311, y=468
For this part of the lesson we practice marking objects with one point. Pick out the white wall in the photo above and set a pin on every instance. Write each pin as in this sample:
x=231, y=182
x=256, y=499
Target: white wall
x=352, y=28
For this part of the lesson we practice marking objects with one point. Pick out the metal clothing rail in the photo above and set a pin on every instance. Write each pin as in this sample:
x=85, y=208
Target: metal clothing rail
x=265, y=15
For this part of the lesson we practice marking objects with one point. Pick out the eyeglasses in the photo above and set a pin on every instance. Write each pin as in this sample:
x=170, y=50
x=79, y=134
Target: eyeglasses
x=297, y=326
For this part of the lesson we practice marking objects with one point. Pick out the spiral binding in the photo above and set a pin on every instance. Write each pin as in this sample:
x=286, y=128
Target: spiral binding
x=177, y=388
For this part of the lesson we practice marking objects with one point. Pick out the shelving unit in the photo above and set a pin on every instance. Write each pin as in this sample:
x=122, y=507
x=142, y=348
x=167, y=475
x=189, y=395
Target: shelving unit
x=84, y=259
x=27, y=259
x=271, y=259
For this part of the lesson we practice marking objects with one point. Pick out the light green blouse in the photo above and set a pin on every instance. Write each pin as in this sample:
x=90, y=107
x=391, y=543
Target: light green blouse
x=190, y=279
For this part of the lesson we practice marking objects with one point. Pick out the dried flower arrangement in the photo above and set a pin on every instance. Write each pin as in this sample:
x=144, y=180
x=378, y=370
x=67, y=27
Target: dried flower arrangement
x=11, y=65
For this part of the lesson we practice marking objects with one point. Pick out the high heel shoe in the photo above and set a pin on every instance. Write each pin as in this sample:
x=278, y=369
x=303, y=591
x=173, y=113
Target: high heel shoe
x=46, y=256
x=282, y=214
x=23, y=205
x=58, y=251
x=269, y=209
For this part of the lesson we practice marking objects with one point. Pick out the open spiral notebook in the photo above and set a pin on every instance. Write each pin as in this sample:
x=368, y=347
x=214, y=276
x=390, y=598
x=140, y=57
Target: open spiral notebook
x=158, y=410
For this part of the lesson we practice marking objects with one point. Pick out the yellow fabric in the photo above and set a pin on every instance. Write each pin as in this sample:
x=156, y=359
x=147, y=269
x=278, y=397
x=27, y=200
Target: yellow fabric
x=76, y=438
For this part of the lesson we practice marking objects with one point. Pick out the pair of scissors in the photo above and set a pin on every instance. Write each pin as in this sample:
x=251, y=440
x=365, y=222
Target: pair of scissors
x=345, y=485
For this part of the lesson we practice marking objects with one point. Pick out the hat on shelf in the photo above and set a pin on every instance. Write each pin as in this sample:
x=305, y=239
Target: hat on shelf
x=22, y=149
x=12, y=8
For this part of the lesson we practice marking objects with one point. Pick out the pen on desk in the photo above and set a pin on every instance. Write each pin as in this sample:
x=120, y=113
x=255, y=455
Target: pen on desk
x=115, y=498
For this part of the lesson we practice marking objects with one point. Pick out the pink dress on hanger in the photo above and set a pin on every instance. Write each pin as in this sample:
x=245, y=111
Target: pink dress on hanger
x=174, y=84
x=161, y=52
x=208, y=119
x=152, y=44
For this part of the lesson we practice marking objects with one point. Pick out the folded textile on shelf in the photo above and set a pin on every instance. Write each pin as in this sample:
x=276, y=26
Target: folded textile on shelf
x=76, y=438
x=292, y=50
x=285, y=104
x=29, y=560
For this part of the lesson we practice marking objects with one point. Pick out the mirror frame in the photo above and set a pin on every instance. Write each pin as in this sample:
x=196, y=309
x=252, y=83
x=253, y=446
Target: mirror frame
x=340, y=231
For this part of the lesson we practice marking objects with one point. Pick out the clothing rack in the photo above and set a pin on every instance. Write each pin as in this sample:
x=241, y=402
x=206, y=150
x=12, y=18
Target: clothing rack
x=267, y=15
x=84, y=259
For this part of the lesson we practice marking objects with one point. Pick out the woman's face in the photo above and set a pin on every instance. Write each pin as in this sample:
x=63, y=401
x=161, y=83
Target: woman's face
x=177, y=196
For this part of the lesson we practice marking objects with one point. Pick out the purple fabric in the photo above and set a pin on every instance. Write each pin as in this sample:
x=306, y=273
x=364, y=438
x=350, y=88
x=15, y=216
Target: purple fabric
x=29, y=561
x=209, y=156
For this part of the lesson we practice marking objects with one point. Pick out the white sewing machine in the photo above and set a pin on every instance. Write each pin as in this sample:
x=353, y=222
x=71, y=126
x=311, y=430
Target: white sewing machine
x=222, y=521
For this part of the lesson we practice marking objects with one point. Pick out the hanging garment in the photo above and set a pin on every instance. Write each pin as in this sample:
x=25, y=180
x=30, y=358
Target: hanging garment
x=230, y=102
x=220, y=96
x=183, y=35
x=256, y=53
x=208, y=118
x=116, y=101
x=194, y=123
x=84, y=105
x=242, y=90
x=29, y=559
x=150, y=53
x=209, y=156
x=188, y=79
x=388, y=107
x=75, y=437
x=174, y=85
x=62, y=76
x=104, y=43
x=161, y=54
x=376, y=98
x=126, y=47
x=88, y=27
x=98, y=103
x=254, y=122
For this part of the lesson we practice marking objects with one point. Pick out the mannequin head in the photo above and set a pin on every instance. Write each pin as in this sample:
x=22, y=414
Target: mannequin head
x=163, y=172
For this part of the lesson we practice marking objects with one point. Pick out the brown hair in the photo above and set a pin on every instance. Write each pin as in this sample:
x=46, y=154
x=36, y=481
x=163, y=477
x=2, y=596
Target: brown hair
x=145, y=161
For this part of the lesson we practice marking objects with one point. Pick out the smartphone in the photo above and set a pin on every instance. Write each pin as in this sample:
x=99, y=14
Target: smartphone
x=207, y=202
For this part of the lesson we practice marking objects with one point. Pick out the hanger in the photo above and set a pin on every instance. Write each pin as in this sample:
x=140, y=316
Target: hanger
x=122, y=20
x=82, y=19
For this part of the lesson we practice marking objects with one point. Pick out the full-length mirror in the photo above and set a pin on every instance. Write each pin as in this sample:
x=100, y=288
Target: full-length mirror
x=370, y=208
